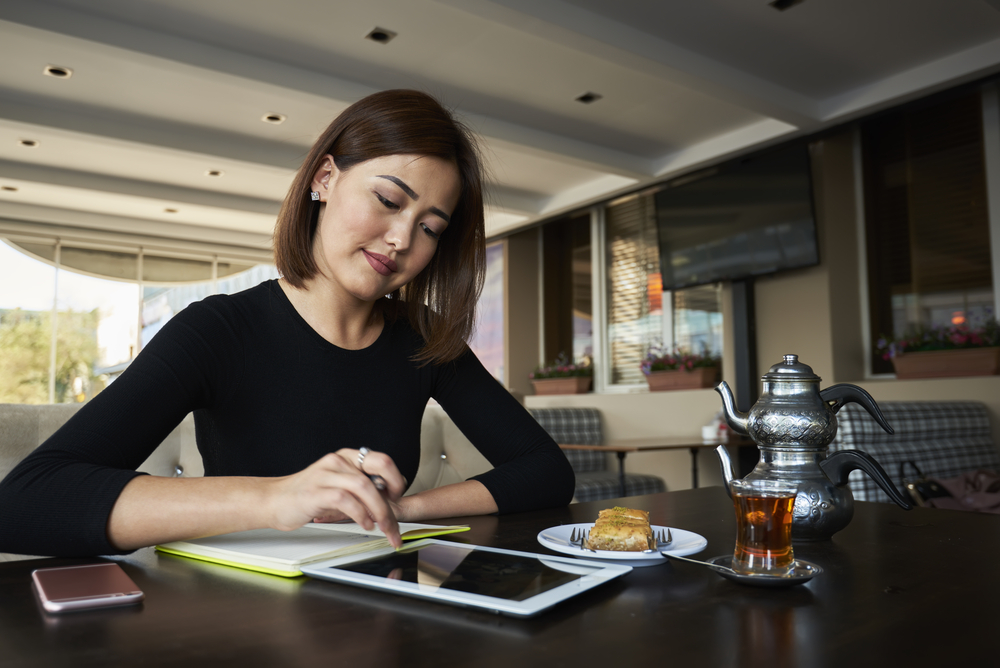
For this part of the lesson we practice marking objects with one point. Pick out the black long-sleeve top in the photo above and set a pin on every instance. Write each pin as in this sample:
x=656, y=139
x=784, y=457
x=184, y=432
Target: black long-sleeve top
x=270, y=396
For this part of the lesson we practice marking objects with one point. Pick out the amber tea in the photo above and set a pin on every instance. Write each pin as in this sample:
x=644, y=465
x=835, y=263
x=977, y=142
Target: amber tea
x=764, y=533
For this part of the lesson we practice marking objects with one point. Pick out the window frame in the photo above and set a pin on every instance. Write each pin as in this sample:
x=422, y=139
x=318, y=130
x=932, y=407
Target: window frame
x=990, y=95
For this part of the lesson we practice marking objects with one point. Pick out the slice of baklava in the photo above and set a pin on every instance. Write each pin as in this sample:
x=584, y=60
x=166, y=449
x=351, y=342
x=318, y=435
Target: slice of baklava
x=621, y=530
x=624, y=513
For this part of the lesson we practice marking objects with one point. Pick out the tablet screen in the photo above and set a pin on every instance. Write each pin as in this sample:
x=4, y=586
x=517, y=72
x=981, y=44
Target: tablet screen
x=433, y=566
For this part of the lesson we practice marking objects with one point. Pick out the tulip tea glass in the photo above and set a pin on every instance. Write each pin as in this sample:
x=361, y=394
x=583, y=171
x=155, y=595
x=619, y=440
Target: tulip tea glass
x=764, y=514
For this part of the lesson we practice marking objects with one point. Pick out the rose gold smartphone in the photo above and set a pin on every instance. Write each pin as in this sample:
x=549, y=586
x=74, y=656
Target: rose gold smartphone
x=69, y=588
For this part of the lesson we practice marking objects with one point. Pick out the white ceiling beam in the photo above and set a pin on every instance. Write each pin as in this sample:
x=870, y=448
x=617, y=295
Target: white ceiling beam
x=498, y=225
x=713, y=150
x=514, y=201
x=106, y=36
x=33, y=216
x=119, y=186
x=593, y=34
x=110, y=124
x=595, y=189
x=172, y=52
x=561, y=149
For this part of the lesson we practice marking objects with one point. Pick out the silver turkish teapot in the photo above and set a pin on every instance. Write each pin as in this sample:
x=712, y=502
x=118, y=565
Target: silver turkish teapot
x=793, y=423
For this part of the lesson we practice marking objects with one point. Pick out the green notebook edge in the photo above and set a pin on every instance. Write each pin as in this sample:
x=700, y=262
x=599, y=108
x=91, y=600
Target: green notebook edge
x=233, y=564
x=413, y=534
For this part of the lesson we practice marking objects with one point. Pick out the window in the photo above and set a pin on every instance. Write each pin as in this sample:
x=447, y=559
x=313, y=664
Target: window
x=160, y=303
x=95, y=327
x=487, y=341
x=567, y=281
x=926, y=215
x=633, y=311
x=97, y=320
x=634, y=299
x=697, y=319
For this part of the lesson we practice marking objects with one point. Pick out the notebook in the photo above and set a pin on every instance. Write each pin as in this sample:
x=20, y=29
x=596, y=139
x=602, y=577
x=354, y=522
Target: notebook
x=285, y=552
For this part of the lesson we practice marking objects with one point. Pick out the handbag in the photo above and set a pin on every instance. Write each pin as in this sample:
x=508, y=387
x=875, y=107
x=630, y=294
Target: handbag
x=977, y=490
x=921, y=488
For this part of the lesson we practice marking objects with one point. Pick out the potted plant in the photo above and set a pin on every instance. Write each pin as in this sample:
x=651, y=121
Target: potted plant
x=679, y=370
x=939, y=352
x=563, y=377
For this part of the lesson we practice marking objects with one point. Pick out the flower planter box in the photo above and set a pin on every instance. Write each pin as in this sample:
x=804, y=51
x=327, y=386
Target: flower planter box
x=571, y=385
x=697, y=378
x=948, y=363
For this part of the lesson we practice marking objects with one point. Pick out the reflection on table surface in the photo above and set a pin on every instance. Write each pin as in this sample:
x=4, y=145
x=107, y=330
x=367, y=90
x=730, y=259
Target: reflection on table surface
x=871, y=604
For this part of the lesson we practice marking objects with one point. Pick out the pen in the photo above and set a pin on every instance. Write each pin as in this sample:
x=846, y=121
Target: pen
x=377, y=480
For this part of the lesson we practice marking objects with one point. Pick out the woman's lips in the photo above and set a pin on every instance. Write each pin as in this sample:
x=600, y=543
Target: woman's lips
x=380, y=263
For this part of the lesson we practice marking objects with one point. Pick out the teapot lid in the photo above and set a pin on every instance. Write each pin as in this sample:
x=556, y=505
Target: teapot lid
x=790, y=369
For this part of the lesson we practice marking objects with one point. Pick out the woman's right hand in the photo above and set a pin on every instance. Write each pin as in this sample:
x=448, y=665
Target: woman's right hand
x=335, y=488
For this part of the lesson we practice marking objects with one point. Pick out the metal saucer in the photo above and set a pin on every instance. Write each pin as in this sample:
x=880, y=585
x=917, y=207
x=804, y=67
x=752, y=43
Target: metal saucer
x=801, y=573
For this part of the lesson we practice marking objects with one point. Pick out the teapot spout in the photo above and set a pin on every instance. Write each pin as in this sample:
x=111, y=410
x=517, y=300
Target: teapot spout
x=727, y=469
x=736, y=419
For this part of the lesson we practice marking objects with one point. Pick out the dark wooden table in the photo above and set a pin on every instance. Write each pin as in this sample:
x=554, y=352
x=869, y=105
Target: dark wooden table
x=916, y=588
x=623, y=447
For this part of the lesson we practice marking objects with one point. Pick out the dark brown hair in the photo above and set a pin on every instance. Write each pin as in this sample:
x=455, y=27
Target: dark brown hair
x=440, y=302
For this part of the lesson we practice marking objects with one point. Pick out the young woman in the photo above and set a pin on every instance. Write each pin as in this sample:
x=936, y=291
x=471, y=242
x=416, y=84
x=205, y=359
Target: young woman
x=304, y=387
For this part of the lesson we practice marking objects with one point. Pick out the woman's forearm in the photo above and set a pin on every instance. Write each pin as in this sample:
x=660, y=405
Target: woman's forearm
x=152, y=510
x=458, y=500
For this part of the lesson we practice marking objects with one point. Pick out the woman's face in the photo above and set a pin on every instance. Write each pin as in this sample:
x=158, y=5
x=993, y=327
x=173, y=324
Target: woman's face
x=380, y=221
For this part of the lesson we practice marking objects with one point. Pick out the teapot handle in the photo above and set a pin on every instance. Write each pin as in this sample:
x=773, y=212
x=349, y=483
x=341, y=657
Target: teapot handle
x=845, y=393
x=839, y=465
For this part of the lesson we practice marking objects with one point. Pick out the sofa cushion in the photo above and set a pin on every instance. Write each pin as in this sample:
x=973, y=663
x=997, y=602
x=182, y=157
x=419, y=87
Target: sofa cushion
x=23, y=427
x=446, y=455
x=594, y=479
x=594, y=486
x=943, y=438
x=575, y=426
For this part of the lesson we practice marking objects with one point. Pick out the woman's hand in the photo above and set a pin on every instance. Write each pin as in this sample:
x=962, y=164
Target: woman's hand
x=336, y=488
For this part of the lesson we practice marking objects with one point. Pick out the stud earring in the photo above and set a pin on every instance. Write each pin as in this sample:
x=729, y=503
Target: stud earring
x=313, y=195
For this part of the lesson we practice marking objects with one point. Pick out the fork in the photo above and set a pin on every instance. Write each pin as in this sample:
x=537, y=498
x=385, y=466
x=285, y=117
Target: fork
x=580, y=538
x=662, y=541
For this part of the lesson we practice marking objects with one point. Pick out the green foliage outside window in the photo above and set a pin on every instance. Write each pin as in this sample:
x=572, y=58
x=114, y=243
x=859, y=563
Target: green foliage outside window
x=25, y=339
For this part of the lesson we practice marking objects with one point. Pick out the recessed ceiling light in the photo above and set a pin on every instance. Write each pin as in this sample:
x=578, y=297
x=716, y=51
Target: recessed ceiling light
x=276, y=119
x=214, y=172
x=381, y=35
x=782, y=5
x=10, y=189
x=170, y=211
x=58, y=71
x=30, y=143
x=589, y=97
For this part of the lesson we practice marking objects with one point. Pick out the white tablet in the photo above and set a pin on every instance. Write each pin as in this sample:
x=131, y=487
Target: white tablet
x=514, y=583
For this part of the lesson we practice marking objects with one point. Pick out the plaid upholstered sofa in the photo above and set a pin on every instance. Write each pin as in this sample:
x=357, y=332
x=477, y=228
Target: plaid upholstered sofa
x=595, y=479
x=943, y=438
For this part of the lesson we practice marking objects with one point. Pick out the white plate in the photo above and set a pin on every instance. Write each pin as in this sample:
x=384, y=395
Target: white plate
x=684, y=543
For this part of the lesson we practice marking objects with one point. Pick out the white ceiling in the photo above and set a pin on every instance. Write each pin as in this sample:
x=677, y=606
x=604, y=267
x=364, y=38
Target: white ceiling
x=164, y=91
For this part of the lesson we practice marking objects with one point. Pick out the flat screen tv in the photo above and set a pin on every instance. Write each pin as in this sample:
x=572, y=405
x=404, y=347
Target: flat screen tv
x=747, y=217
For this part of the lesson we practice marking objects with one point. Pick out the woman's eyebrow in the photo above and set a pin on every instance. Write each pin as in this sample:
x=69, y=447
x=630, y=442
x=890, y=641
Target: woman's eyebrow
x=399, y=182
x=441, y=213
x=412, y=195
